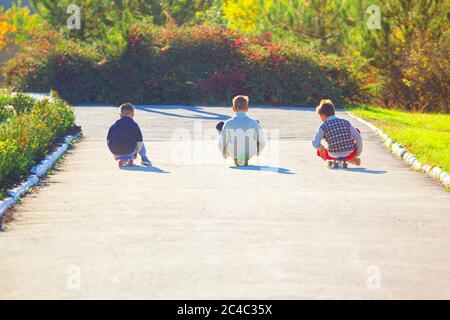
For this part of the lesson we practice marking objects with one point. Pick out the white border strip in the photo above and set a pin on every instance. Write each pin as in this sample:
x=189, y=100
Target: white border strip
x=36, y=172
x=397, y=149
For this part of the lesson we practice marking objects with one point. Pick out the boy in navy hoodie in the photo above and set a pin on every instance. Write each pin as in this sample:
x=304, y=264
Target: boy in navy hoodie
x=125, y=139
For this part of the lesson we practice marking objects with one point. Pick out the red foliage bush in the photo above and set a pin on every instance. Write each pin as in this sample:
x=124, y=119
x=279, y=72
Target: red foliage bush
x=199, y=64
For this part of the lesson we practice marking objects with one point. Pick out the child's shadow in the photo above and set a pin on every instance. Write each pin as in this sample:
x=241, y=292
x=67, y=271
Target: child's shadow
x=364, y=170
x=263, y=168
x=145, y=169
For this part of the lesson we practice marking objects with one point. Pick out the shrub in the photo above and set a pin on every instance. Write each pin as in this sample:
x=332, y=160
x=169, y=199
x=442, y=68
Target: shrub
x=198, y=64
x=22, y=103
x=30, y=70
x=74, y=71
x=6, y=112
x=419, y=80
x=27, y=137
x=13, y=105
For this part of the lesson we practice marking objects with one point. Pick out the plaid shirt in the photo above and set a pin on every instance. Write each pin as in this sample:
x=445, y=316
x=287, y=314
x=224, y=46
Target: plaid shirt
x=337, y=134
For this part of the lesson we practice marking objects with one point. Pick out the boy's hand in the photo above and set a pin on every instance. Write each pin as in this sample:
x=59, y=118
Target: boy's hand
x=322, y=153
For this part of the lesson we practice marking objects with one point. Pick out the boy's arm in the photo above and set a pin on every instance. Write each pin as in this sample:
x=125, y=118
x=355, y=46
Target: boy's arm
x=138, y=134
x=357, y=137
x=138, y=137
x=108, y=136
x=260, y=139
x=316, y=141
x=223, y=142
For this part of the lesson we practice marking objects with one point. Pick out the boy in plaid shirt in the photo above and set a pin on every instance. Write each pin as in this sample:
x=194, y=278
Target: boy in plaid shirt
x=344, y=141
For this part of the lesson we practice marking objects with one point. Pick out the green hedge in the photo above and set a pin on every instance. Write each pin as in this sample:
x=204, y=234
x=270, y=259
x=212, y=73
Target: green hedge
x=11, y=105
x=27, y=135
x=198, y=64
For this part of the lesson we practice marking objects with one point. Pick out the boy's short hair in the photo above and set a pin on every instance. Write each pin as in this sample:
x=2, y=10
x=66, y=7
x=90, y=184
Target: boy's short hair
x=326, y=107
x=240, y=102
x=126, y=107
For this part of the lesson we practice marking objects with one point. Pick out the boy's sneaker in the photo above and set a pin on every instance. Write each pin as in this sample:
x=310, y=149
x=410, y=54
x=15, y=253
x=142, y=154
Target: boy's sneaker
x=122, y=163
x=125, y=163
x=355, y=161
x=146, y=162
x=241, y=162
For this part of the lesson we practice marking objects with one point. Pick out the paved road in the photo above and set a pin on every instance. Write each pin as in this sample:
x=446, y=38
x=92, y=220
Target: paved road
x=193, y=227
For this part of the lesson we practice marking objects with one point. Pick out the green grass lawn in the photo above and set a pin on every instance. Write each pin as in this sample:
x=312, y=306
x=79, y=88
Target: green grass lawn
x=427, y=136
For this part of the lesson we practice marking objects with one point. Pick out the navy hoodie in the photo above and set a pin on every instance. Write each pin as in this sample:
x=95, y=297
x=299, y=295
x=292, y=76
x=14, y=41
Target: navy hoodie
x=123, y=136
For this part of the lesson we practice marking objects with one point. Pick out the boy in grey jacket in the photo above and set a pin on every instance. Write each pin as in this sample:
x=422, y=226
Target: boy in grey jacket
x=241, y=137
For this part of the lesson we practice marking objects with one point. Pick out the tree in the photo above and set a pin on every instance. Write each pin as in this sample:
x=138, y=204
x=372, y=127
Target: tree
x=384, y=56
x=189, y=11
x=411, y=73
x=107, y=23
x=243, y=15
x=16, y=24
x=319, y=24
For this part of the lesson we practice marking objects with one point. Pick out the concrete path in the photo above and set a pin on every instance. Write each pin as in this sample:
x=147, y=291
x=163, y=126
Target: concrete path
x=193, y=227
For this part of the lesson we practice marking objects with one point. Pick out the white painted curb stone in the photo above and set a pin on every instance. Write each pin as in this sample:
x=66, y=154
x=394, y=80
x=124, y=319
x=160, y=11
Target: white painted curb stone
x=436, y=172
x=397, y=149
x=445, y=178
x=417, y=165
x=5, y=204
x=19, y=191
x=49, y=160
x=36, y=172
x=388, y=142
x=426, y=168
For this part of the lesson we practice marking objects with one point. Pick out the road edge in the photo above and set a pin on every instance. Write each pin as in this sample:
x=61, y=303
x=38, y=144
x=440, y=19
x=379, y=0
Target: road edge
x=397, y=149
x=37, y=172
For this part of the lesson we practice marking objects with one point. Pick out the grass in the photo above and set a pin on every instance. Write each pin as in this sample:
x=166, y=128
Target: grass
x=427, y=136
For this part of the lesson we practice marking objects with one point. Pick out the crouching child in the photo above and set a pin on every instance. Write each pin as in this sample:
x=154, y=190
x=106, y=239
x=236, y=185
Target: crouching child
x=125, y=139
x=343, y=140
x=241, y=137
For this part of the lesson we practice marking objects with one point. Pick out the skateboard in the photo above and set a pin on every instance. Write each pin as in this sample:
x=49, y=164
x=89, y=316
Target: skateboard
x=241, y=162
x=339, y=163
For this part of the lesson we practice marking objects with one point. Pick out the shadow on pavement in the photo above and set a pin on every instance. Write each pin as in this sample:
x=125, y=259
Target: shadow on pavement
x=364, y=170
x=263, y=168
x=201, y=114
x=145, y=169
